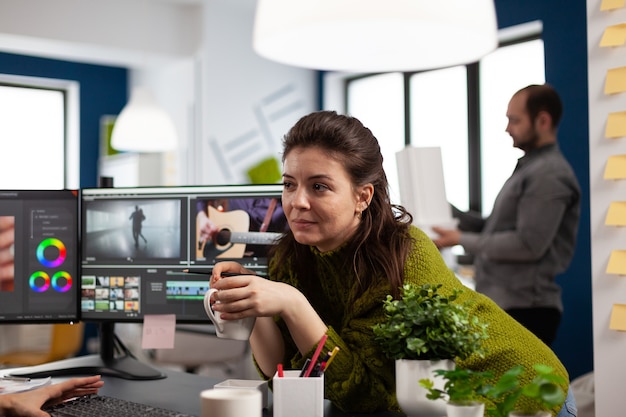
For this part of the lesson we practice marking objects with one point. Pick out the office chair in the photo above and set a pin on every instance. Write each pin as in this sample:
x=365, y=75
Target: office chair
x=65, y=342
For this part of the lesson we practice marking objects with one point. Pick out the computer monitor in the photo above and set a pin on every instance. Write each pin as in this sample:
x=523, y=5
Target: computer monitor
x=39, y=257
x=144, y=253
x=136, y=243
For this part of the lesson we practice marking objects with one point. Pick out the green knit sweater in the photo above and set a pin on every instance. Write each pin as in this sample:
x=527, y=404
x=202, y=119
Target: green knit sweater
x=361, y=378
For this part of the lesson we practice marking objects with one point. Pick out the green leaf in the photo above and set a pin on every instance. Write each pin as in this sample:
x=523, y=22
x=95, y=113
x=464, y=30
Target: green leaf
x=431, y=325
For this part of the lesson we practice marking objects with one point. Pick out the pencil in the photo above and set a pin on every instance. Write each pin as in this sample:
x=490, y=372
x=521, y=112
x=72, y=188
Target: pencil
x=316, y=355
x=330, y=359
x=209, y=272
x=305, y=367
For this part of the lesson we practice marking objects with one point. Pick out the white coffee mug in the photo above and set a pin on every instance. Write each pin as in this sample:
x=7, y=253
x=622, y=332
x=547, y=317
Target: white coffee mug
x=228, y=329
x=231, y=403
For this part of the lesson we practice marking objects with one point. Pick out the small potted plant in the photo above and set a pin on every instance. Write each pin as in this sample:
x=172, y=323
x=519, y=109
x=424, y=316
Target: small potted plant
x=463, y=391
x=533, y=399
x=425, y=330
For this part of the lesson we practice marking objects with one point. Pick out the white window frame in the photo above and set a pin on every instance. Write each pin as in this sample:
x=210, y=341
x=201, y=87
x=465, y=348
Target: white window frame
x=71, y=89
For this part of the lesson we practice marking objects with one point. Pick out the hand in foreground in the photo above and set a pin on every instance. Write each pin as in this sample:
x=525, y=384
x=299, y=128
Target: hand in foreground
x=447, y=237
x=29, y=403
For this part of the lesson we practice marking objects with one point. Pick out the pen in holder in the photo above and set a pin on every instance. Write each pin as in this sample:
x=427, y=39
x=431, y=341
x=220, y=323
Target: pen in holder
x=296, y=396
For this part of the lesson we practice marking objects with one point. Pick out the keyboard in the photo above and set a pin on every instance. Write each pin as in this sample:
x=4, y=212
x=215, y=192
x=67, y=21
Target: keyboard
x=103, y=406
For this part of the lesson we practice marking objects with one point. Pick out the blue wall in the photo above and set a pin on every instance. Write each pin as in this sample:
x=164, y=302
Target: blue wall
x=565, y=43
x=102, y=92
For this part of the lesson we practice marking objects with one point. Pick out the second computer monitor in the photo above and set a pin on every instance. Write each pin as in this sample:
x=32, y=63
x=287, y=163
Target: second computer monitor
x=136, y=242
x=39, y=256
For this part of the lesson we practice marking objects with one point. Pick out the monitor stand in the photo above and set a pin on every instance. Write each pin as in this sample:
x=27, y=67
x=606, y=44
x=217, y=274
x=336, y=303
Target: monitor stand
x=106, y=363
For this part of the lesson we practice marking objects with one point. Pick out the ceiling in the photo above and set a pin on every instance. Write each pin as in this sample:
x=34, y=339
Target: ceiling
x=109, y=32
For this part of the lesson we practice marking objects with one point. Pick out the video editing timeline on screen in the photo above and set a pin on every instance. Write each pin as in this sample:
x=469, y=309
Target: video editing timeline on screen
x=45, y=256
x=137, y=242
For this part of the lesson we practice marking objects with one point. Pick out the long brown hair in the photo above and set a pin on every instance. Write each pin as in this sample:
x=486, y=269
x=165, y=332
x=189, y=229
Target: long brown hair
x=382, y=241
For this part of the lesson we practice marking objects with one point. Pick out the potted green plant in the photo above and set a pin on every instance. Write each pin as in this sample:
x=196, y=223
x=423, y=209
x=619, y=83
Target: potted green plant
x=463, y=391
x=465, y=386
x=533, y=399
x=425, y=330
x=425, y=324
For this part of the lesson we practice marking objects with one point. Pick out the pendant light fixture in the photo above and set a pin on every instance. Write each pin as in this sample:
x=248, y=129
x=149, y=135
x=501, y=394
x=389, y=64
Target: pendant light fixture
x=143, y=126
x=374, y=35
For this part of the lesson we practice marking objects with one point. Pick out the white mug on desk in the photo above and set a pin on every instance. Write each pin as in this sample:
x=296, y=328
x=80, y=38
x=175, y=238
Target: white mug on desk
x=228, y=329
x=231, y=403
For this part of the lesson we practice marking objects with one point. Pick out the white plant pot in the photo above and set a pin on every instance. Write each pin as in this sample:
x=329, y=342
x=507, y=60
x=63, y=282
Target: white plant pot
x=411, y=396
x=475, y=409
x=537, y=414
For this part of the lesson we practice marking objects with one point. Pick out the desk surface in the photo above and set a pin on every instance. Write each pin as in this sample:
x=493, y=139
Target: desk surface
x=180, y=391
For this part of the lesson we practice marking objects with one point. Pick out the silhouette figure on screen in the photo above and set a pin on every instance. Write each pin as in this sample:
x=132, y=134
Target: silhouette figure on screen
x=137, y=218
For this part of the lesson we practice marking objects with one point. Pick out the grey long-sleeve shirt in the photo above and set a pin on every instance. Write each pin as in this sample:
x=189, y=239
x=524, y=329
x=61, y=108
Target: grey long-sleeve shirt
x=530, y=236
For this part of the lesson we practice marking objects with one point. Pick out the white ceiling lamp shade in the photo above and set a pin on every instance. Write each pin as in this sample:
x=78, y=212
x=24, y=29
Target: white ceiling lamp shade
x=374, y=35
x=143, y=126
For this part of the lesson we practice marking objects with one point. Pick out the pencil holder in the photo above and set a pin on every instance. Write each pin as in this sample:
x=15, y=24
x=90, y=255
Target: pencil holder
x=298, y=396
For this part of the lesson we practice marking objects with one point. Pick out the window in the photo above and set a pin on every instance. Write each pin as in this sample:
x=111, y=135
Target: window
x=523, y=64
x=377, y=101
x=460, y=109
x=39, y=133
x=439, y=118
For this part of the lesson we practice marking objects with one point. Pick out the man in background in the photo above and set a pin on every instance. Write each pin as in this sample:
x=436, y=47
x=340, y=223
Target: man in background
x=530, y=236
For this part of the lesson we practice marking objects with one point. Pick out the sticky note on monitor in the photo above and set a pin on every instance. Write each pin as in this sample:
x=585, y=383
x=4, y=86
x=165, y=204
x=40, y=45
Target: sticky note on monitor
x=158, y=331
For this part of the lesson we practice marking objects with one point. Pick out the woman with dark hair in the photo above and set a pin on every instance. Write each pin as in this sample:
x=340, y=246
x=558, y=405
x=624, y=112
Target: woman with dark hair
x=347, y=248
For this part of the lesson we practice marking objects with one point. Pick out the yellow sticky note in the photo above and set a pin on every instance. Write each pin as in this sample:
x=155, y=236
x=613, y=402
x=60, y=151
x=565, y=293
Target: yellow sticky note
x=616, y=216
x=615, y=168
x=618, y=317
x=616, y=125
x=615, y=81
x=617, y=263
x=614, y=35
x=611, y=4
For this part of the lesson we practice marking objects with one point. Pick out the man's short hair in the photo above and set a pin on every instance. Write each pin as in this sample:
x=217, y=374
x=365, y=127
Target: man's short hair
x=543, y=98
